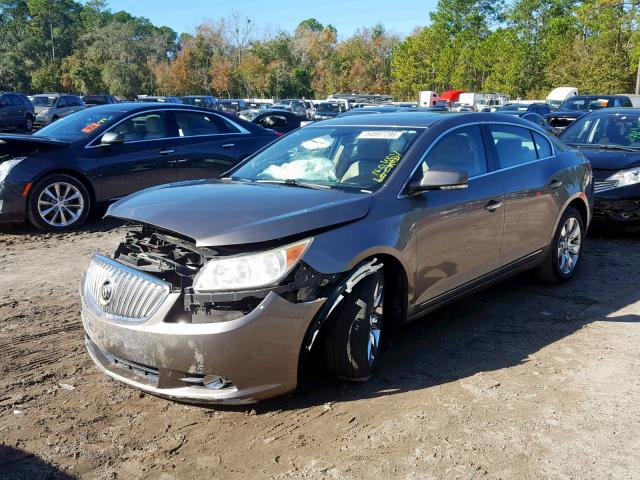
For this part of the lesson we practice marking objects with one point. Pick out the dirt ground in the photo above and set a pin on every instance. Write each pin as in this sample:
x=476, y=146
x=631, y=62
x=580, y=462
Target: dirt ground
x=521, y=381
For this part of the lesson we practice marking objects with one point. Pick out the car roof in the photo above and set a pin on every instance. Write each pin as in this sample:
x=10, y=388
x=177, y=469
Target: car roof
x=135, y=106
x=420, y=119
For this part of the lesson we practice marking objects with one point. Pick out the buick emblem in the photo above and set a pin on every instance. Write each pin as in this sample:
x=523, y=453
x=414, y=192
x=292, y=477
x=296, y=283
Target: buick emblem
x=106, y=293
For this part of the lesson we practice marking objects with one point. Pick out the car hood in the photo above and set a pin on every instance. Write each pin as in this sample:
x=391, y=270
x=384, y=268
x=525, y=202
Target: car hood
x=611, y=159
x=42, y=109
x=217, y=213
x=26, y=145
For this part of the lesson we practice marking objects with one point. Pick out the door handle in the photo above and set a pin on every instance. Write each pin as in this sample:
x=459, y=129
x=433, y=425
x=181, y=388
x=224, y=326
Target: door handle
x=555, y=183
x=166, y=152
x=228, y=145
x=493, y=205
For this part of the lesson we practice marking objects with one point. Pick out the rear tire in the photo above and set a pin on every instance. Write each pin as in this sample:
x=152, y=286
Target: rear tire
x=27, y=126
x=353, y=331
x=565, y=252
x=58, y=203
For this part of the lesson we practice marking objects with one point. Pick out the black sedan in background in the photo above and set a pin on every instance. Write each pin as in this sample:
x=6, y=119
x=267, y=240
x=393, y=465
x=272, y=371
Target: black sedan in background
x=55, y=177
x=610, y=139
x=574, y=107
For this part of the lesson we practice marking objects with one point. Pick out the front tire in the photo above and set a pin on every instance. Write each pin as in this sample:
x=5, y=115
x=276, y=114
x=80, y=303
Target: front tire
x=565, y=252
x=28, y=124
x=58, y=203
x=354, y=330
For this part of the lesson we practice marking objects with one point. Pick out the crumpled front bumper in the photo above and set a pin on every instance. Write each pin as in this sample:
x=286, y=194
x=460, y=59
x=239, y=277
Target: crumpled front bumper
x=620, y=206
x=258, y=353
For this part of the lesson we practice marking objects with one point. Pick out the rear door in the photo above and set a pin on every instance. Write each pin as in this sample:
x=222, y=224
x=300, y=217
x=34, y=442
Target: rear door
x=206, y=144
x=145, y=159
x=459, y=232
x=531, y=176
x=17, y=111
x=5, y=107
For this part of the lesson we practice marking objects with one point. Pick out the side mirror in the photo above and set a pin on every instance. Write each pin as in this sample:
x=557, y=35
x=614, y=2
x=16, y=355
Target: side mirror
x=441, y=178
x=112, y=138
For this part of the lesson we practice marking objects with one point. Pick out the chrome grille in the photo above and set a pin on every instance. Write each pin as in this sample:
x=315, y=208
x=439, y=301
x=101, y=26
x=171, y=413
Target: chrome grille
x=134, y=296
x=605, y=185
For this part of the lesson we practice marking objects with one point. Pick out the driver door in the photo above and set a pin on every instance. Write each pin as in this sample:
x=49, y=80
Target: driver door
x=148, y=156
x=459, y=232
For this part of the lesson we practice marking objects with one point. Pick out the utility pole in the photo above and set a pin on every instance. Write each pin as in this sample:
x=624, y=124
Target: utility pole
x=638, y=79
x=53, y=45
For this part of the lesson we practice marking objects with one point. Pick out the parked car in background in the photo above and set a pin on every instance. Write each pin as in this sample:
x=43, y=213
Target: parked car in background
x=50, y=107
x=310, y=109
x=521, y=109
x=279, y=121
x=203, y=101
x=158, y=99
x=295, y=106
x=610, y=139
x=92, y=100
x=577, y=105
x=258, y=105
x=231, y=105
x=328, y=239
x=55, y=177
x=327, y=110
x=16, y=112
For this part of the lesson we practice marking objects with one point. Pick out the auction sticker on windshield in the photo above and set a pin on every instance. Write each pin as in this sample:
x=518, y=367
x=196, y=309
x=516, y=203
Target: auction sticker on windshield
x=381, y=134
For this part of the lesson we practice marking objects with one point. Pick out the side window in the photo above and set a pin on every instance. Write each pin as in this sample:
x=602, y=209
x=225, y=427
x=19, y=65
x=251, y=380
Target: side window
x=146, y=126
x=461, y=148
x=25, y=101
x=616, y=102
x=626, y=103
x=193, y=124
x=62, y=103
x=15, y=101
x=514, y=145
x=542, y=146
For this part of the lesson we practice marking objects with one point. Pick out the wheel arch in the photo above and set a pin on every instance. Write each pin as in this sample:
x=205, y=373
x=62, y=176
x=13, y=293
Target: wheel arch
x=396, y=282
x=82, y=178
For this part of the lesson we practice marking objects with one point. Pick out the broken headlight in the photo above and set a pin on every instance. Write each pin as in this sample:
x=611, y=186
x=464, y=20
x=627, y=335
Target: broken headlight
x=249, y=271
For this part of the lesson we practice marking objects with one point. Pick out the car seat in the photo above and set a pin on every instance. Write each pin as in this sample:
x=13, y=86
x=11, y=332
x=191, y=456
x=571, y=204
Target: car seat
x=369, y=155
x=613, y=136
x=154, y=127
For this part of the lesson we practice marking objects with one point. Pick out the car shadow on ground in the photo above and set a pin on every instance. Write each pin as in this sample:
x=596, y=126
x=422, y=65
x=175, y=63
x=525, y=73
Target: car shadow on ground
x=93, y=225
x=501, y=327
x=16, y=464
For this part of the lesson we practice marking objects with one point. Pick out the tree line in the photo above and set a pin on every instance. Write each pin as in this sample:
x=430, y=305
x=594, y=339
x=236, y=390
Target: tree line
x=523, y=48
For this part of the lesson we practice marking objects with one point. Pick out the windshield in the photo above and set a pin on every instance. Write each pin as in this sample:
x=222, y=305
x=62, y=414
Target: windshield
x=328, y=108
x=584, y=104
x=80, y=125
x=614, y=129
x=42, y=101
x=359, y=158
x=229, y=106
x=513, y=108
x=95, y=100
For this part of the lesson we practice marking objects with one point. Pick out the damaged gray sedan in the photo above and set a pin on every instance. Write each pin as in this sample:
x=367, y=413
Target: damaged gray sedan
x=327, y=239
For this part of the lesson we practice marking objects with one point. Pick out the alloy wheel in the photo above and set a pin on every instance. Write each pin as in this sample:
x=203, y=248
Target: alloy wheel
x=60, y=204
x=375, y=321
x=569, y=243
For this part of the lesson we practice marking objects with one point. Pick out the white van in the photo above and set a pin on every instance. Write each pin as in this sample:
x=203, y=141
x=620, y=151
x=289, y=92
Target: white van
x=559, y=95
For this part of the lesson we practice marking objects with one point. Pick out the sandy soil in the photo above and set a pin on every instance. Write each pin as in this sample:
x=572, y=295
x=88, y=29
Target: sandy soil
x=524, y=380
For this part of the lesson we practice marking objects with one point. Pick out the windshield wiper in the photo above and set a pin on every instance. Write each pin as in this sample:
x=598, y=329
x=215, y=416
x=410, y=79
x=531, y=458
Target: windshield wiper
x=296, y=183
x=605, y=147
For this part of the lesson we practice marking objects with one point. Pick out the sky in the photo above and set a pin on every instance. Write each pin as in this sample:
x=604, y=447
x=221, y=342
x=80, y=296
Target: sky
x=398, y=16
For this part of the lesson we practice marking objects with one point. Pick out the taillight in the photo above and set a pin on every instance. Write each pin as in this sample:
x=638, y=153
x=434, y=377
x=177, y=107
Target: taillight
x=278, y=134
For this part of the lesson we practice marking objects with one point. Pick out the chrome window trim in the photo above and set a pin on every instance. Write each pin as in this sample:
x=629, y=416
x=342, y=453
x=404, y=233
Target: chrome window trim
x=471, y=124
x=241, y=129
